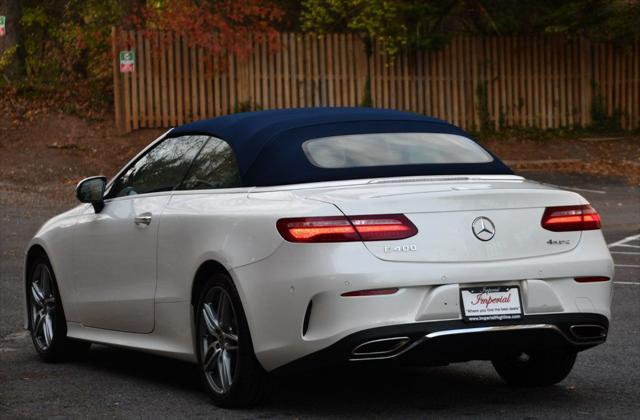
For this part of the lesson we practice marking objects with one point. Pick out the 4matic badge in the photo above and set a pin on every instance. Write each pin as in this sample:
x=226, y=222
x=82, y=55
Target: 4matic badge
x=558, y=242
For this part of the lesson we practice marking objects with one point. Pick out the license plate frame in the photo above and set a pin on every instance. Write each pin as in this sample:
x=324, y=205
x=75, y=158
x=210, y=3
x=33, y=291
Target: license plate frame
x=491, y=303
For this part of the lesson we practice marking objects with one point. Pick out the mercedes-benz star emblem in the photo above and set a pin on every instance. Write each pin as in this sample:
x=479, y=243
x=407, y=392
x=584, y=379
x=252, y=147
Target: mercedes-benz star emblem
x=483, y=228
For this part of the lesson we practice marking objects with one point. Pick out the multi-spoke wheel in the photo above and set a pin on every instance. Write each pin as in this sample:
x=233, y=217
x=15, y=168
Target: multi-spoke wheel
x=46, y=315
x=43, y=307
x=228, y=365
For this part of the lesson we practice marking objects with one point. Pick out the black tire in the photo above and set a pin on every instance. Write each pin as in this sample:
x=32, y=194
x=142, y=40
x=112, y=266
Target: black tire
x=248, y=379
x=57, y=346
x=536, y=369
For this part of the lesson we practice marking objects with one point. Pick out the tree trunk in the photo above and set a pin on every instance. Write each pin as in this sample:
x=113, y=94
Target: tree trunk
x=11, y=9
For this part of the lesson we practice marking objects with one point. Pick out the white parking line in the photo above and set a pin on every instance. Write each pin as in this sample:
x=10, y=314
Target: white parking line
x=627, y=282
x=627, y=265
x=625, y=253
x=629, y=246
x=624, y=241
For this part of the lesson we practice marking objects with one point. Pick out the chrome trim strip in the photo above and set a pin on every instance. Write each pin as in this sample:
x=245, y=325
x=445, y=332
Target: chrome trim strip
x=401, y=342
x=493, y=329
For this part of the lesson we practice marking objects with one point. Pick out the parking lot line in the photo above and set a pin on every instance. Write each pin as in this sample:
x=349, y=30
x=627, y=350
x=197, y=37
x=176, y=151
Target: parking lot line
x=628, y=265
x=625, y=253
x=627, y=282
x=625, y=241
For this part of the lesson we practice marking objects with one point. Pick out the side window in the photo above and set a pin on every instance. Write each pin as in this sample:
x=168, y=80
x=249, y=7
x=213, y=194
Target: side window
x=160, y=169
x=215, y=167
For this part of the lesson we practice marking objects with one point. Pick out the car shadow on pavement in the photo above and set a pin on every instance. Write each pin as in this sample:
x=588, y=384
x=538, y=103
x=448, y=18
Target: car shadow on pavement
x=465, y=389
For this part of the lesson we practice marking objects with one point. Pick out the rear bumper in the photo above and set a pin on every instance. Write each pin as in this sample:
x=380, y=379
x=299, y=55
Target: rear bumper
x=278, y=291
x=436, y=343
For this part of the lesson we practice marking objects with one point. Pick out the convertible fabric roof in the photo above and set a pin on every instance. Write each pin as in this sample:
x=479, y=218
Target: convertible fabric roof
x=268, y=144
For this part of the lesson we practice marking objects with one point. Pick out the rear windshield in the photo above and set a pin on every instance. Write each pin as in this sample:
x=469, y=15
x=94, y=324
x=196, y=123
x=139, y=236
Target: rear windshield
x=387, y=149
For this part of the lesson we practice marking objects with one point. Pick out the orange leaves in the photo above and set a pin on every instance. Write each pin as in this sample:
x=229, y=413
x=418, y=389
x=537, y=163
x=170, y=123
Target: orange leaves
x=221, y=26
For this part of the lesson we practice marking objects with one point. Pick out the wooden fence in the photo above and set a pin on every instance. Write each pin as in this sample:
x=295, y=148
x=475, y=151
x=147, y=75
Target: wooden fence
x=541, y=81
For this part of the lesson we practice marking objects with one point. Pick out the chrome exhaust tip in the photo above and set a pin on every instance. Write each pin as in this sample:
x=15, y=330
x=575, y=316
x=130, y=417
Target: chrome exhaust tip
x=381, y=347
x=588, y=331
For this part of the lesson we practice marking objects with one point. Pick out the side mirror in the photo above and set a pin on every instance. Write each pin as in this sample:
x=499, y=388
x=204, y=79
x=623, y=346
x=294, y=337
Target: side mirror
x=91, y=190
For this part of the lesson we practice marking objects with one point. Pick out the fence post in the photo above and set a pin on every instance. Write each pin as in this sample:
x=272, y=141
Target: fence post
x=586, y=82
x=117, y=105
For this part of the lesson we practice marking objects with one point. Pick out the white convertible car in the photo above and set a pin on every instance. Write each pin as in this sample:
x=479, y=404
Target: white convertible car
x=283, y=240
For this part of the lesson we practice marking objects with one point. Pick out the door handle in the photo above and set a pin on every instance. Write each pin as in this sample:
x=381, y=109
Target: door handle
x=143, y=219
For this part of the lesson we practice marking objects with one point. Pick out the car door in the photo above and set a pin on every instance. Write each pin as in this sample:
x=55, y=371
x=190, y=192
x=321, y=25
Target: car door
x=115, y=249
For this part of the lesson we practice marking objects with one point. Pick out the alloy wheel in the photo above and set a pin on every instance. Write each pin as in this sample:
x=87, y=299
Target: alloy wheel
x=219, y=340
x=43, y=307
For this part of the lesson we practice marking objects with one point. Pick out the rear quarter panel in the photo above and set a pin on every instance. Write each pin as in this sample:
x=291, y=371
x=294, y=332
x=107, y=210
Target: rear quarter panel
x=231, y=227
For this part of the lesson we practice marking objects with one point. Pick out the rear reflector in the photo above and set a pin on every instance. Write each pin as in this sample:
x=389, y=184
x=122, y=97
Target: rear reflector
x=371, y=292
x=570, y=218
x=591, y=279
x=346, y=229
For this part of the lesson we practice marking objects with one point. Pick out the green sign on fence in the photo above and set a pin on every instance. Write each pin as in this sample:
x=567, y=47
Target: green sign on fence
x=127, y=61
x=3, y=28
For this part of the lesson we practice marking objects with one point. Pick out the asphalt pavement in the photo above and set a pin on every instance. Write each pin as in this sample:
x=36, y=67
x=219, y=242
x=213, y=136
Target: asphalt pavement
x=119, y=383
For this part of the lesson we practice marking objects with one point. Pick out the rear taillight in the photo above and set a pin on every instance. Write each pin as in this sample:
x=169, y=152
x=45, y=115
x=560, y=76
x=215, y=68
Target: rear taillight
x=570, y=218
x=386, y=227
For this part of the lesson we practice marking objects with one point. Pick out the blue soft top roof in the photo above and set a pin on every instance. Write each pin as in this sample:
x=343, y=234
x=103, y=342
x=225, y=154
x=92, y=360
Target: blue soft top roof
x=268, y=144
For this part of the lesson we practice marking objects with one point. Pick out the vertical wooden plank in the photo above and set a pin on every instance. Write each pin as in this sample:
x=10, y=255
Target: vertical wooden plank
x=562, y=76
x=201, y=85
x=225, y=99
x=234, y=77
x=286, y=93
x=180, y=95
x=549, y=79
x=300, y=83
x=186, y=90
x=475, y=76
x=193, y=73
x=351, y=77
x=420, y=87
x=495, y=81
x=523, y=75
x=293, y=65
x=636, y=86
x=164, y=89
x=610, y=78
x=141, y=72
x=618, y=79
x=501, y=44
x=454, y=83
x=442, y=113
x=344, y=88
x=535, y=85
x=588, y=76
x=277, y=75
x=134, y=83
x=264, y=73
x=172, y=79
x=117, y=89
x=209, y=83
x=157, y=36
x=330, y=71
x=217, y=84
x=127, y=93
x=149, y=82
x=406, y=87
x=315, y=77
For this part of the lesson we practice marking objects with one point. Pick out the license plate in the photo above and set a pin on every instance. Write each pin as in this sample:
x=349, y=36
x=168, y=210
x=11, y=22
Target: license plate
x=497, y=303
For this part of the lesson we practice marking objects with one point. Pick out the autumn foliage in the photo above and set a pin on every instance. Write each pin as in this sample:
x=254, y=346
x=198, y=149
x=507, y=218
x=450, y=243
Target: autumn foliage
x=219, y=26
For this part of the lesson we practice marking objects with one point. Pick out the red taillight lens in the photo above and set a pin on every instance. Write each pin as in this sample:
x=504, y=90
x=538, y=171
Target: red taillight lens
x=570, y=218
x=370, y=292
x=591, y=279
x=346, y=229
